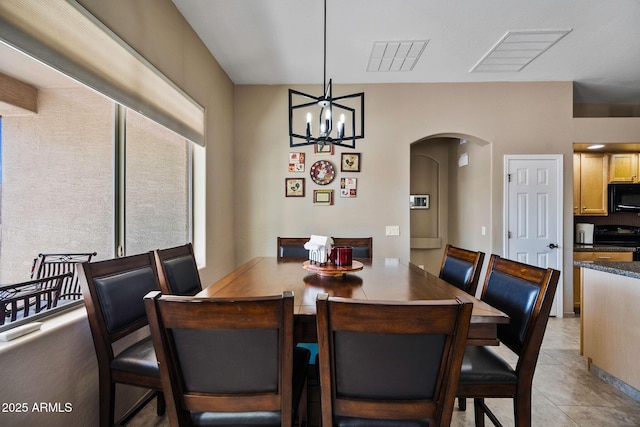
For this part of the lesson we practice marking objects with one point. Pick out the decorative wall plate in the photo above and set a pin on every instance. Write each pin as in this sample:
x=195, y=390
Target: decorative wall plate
x=322, y=172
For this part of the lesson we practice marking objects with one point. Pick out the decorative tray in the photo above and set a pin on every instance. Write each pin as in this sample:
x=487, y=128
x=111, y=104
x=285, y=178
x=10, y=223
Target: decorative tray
x=331, y=269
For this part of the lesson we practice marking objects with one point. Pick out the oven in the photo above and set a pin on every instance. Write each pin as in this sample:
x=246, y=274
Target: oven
x=626, y=236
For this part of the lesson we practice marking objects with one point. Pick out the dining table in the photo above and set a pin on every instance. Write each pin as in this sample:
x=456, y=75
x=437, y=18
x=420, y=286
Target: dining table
x=384, y=279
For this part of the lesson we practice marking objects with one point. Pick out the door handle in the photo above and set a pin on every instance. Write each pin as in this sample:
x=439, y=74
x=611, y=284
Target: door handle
x=552, y=246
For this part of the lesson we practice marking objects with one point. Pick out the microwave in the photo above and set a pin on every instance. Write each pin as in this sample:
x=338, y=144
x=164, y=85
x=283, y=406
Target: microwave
x=624, y=198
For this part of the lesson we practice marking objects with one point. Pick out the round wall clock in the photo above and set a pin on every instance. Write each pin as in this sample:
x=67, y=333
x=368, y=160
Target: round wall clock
x=322, y=172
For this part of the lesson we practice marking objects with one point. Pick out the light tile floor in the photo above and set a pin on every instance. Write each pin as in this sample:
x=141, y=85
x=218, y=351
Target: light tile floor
x=565, y=393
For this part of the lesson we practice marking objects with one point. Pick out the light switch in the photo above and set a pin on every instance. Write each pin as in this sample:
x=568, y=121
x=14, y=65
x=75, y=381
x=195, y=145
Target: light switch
x=393, y=230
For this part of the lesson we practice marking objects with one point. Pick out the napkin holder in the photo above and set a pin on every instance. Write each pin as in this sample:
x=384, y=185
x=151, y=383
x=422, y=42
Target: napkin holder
x=319, y=248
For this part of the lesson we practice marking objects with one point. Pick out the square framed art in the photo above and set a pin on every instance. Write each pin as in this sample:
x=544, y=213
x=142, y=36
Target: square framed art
x=294, y=187
x=350, y=162
x=296, y=162
x=348, y=187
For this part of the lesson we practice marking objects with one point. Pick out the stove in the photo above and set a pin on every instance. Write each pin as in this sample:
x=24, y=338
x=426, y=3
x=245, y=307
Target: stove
x=618, y=235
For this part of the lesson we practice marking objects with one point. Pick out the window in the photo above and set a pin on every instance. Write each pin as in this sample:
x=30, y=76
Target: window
x=57, y=191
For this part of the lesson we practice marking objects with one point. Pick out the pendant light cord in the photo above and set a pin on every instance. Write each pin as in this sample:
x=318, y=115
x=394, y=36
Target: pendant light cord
x=325, y=48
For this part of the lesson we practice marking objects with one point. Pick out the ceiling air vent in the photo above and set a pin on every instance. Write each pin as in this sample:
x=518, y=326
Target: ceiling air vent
x=395, y=55
x=517, y=49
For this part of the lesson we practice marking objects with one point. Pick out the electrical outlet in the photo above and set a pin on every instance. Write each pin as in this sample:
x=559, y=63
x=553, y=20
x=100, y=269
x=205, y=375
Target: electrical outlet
x=393, y=230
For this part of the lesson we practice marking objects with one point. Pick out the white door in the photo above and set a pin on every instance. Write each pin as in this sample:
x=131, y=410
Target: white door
x=533, y=213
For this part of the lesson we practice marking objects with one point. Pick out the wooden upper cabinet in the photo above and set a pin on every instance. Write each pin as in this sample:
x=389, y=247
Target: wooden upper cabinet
x=576, y=183
x=623, y=167
x=593, y=179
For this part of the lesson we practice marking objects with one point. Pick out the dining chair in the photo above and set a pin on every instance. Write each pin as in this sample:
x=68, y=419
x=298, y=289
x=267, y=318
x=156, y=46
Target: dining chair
x=362, y=246
x=177, y=270
x=461, y=268
x=525, y=293
x=228, y=362
x=21, y=300
x=292, y=247
x=114, y=290
x=389, y=363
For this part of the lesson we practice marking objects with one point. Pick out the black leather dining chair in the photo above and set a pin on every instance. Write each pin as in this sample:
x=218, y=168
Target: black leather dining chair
x=461, y=268
x=229, y=362
x=292, y=247
x=362, y=246
x=113, y=294
x=177, y=270
x=525, y=293
x=391, y=364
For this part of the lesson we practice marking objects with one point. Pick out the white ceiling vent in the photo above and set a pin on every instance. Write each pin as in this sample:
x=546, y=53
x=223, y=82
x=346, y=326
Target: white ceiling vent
x=395, y=55
x=517, y=49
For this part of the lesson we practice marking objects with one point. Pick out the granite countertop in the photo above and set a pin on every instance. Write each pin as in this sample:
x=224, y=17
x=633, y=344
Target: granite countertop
x=601, y=248
x=629, y=268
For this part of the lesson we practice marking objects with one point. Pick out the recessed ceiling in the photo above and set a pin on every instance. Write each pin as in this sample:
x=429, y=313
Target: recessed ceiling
x=281, y=41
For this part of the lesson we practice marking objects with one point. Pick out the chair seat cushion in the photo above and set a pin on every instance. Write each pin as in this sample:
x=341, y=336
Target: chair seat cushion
x=481, y=365
x=140, y=358
x=369, y=422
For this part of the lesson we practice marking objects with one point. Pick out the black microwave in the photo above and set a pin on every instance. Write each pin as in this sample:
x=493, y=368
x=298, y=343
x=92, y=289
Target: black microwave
x=624, y=198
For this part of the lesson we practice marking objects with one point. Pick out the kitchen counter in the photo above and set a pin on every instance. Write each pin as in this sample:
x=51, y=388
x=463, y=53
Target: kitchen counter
x=601, y=248
x=609, y=318
x=628, y=269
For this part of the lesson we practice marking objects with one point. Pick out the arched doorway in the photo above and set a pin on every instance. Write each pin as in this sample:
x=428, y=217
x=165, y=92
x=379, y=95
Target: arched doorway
x=455, y=171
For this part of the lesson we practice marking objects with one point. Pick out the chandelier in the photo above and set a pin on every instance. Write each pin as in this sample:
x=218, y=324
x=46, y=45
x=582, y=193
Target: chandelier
x=312, y=118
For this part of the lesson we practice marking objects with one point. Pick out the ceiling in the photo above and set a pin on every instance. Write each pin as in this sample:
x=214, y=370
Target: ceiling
x=281, y=41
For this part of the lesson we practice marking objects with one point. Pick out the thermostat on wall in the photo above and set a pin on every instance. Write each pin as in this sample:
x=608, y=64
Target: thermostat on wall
x=419, y=201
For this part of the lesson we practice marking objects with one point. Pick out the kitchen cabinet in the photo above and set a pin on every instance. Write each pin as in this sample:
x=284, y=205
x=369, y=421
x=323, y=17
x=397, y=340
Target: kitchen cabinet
x=623, y=167
x=590, y=257
x=590, y=179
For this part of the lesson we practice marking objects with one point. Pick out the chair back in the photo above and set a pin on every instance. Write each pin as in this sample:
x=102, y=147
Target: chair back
x=525, y=293
x=178, y=271
x=222, y=357
x=114, y=290
x=362, y=246
x=47, y=265
x=461, y=268
x=292, y=247
x=390, y=360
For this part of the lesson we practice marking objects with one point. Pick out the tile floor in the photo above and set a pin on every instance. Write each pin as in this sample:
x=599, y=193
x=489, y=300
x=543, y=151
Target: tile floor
x=565, y=393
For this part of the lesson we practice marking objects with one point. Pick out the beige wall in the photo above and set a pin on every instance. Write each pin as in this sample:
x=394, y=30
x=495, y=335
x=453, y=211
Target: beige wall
x=508, y=118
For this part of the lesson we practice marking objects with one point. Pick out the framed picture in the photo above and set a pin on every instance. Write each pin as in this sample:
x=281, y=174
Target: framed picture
x=419, y=201
x=350, y=162
x=296, y=162
x=348, y=187
x=294, y=187
x=323, y=197
x=323, y=148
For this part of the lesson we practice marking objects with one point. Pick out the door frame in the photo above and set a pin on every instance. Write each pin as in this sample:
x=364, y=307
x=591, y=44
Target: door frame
x=559, y=161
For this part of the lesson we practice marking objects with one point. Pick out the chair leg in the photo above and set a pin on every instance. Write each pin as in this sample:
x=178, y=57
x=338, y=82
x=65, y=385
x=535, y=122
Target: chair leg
x=522, y=410
x=107, y=396
x=462, y=403
x=161, y=407
x=478, y=404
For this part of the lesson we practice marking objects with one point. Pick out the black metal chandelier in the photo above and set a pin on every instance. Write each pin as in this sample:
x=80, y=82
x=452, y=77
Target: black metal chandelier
x=304, y=109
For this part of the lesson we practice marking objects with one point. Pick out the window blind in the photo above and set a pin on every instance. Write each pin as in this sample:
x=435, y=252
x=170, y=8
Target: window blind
x=65, y=36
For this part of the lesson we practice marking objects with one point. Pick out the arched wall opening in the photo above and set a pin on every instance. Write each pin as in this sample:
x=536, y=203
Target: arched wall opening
x=454, y=170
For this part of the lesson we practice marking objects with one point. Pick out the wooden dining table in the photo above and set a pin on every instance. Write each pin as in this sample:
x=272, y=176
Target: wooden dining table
x=379, y=279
